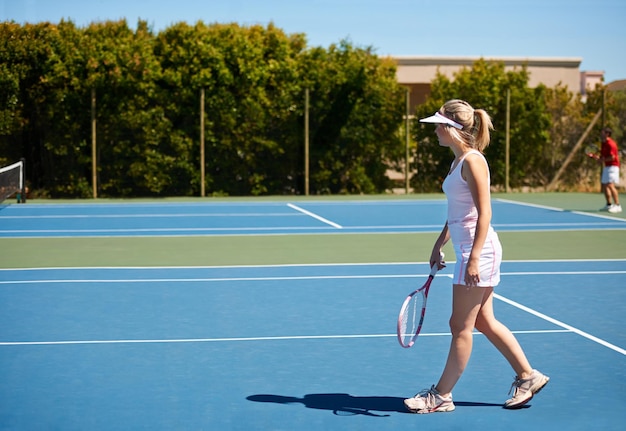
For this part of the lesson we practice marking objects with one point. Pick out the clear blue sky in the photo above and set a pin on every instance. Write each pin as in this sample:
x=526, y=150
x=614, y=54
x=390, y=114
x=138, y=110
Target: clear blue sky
x=592, y=30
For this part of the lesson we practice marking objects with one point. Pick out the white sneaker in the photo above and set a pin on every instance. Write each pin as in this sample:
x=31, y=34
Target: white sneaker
x=429, y=401
x=607, y=207
x=525, y=389
x=615, y=209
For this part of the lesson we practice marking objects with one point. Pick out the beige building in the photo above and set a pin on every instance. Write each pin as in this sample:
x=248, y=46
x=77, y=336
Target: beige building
x=416, y=72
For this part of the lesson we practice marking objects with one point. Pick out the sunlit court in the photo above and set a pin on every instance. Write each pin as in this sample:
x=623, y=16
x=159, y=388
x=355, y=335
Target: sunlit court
x=268, y=342
x=275, y=215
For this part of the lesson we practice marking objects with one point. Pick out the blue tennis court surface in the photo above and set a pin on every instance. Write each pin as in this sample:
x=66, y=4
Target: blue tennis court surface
x=184, y=219
x=294, y=347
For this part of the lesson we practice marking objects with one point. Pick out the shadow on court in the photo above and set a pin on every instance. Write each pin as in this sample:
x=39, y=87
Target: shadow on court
x=346, y=404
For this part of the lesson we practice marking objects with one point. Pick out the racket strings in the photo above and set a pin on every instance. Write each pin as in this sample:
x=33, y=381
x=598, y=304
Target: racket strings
x=410, y=319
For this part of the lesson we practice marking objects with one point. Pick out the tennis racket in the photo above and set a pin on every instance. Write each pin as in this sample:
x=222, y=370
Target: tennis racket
x=413, y=310
x=592, y=151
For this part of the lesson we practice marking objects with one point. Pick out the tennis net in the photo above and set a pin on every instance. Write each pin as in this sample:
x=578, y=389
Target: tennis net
x=12, y=182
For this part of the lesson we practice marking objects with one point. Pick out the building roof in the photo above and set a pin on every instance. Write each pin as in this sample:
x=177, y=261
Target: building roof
x=617, y=85
x=423, y=60
x=416, y=72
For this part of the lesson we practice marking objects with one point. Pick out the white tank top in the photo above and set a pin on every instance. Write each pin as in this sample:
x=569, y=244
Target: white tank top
x=461, y=207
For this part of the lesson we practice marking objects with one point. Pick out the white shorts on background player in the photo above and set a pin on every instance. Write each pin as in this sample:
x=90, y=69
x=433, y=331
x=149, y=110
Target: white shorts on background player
x=610, y=174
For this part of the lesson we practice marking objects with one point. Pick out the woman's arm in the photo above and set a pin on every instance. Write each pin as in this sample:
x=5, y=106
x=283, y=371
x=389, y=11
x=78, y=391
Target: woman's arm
x=435, y=256
x=476, y=173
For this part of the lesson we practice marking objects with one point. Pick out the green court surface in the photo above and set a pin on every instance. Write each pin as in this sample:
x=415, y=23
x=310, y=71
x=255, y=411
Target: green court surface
x=313, y=248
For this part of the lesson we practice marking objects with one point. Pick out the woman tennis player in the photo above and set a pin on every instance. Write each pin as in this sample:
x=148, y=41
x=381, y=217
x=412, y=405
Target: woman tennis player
x=466, y=131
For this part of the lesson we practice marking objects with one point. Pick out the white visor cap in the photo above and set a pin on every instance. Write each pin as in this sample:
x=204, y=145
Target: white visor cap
x=440, y=119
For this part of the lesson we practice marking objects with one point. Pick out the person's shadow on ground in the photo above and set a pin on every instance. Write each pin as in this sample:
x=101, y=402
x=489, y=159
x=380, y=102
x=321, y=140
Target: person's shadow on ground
x=346, y=404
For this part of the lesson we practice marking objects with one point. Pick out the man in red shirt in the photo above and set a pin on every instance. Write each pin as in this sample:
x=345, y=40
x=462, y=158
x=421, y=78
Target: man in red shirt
x=610, y=171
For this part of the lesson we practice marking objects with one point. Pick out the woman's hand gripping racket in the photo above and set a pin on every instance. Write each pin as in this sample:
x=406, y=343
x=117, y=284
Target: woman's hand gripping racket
x=413, y=310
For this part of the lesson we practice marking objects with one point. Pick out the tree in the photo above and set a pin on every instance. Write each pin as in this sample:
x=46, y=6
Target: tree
x=356, y=112
x=250, y=79
x=570, y=117
x=11, y=72
x=45, y=124
x=485, y=86
x=137, y=153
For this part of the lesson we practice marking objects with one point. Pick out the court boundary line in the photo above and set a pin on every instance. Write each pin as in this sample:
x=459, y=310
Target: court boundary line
x=561, y=324
x=584, y=213
x=173, y=232
x=276, y=278
x=240, y=339
x=219, y=279
x=577, y=226
x=291, y=265
x=232, y=202
x=299, y=230
x=174, y=215
x=315, y=216
x=286, y=278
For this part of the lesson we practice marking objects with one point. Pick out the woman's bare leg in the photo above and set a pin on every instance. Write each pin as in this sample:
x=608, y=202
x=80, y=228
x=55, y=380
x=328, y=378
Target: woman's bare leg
x=501, y=337
x=466, y=305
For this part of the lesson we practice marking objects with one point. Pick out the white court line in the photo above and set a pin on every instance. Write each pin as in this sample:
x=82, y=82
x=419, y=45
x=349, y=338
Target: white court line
x=239, y=339
x=526, y=204
x=105, y=216
x=279, y=278
x=315, y=216
x=545, y=207
x=166, y=229
x=515, y=304
x=173, y=232
x=276, y=231
x=277, y=265
x=298, y=265
x=200, y=280
x=565, y=273
x=228, y=229
x=538, y=225
x=561, y=324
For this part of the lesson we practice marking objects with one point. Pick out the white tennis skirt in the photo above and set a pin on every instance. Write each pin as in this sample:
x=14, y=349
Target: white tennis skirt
x=462, y=236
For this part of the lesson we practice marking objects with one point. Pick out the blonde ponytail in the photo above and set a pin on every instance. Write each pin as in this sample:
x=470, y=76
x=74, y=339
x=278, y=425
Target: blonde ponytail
x=476, y=123
x=482, y=129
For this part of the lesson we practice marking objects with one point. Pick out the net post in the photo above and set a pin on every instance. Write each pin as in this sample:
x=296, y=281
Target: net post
x=23, y=181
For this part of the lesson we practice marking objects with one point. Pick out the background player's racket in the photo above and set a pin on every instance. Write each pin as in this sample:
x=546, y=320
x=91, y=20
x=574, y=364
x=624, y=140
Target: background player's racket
x=413, y=310
x=592, y=151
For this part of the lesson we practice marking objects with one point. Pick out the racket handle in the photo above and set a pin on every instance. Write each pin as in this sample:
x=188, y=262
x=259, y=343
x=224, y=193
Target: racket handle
x=434, y=269
x=441, y=256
